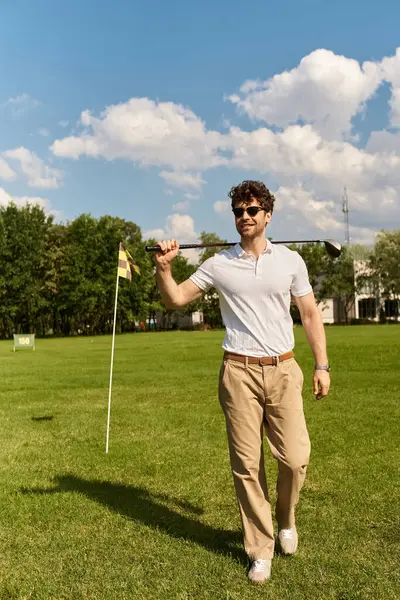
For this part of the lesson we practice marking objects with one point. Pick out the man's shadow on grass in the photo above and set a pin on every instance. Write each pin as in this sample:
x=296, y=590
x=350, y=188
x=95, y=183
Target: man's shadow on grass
x=138, y=504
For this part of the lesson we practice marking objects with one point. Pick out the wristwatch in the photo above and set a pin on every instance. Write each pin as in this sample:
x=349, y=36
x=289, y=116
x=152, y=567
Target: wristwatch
x=322, y=368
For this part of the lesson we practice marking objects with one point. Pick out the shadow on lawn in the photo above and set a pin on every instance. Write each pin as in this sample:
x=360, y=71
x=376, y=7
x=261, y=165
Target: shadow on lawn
x=138, y=504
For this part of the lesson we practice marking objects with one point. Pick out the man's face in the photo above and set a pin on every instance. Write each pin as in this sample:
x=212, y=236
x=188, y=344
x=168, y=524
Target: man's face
x=250, y=227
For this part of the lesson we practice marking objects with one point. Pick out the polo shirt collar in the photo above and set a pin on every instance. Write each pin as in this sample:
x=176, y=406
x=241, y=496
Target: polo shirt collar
x=240, y=252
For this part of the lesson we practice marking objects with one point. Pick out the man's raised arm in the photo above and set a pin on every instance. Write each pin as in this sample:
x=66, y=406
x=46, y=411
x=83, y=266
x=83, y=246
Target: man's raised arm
x=173, y=295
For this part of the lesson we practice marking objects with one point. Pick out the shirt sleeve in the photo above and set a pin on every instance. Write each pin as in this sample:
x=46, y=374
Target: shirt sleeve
x=204, y=276
x=300, y=285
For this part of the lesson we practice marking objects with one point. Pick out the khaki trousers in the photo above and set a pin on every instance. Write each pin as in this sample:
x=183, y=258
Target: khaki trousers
x=255, y=397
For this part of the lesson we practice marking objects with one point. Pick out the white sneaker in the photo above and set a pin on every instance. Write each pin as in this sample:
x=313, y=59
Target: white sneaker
x=288, y=540
x=260, y=570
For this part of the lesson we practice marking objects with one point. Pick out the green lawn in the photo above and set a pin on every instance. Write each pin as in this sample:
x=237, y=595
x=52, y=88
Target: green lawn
x=156, y=518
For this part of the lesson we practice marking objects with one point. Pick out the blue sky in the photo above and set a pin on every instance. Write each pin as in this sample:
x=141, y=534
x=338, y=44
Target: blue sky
x=298, y=132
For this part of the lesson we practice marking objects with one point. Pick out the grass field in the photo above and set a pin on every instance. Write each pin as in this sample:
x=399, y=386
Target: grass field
x=156, y=518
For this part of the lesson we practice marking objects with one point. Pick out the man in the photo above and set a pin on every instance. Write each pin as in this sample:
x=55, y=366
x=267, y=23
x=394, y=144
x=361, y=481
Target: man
x=260, y=385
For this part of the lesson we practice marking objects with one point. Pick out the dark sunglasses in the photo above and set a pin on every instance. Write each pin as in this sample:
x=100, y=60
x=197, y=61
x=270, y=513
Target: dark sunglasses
x=252, y=211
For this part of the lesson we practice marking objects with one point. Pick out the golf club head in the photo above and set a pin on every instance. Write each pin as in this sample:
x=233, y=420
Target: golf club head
x=333, y=248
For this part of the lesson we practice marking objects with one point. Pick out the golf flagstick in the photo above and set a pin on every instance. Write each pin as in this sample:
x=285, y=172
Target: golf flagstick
x=112, y=362
x=124, y=269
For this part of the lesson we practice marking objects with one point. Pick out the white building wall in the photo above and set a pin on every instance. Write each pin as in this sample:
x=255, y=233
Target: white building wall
x=327, y=311
x=360, y=268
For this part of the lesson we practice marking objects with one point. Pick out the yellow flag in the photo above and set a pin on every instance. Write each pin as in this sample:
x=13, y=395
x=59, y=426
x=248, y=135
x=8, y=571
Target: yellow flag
x=126, y=264
x=132, y=263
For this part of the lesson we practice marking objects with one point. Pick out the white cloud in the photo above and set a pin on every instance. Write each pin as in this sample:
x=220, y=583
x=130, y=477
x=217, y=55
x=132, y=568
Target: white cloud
x=154, y=234
x=43, y=132
x=21, y=104
x=182, y=180
x=384, y=142
x=191, y=196
x=192, y=255
x=326, y=90
x=302, y=206
x=35, y=170
x=308, y=145
x=391, y=73
x=177, y=227
x=5, y=199
x=300, y=152
x=63, y=124
x=23, y=99
x=180, y=228
x=146, y=132
x=181, y=206
x=6, y=173
x=299, y=210
x=222, y=207
x=362, y=235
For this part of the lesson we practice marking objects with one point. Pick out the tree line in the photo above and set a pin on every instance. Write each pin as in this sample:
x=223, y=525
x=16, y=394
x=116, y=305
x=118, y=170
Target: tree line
x=59, y=279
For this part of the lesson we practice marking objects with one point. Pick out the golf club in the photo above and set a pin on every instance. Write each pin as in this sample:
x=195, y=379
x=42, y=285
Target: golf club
x=333, y=248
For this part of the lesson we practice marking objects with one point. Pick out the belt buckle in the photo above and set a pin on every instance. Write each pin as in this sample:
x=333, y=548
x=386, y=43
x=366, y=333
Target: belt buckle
x=274, y=359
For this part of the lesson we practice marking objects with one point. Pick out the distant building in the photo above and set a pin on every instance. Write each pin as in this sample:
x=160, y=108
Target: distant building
x=178, y=320
x=369, y=303
x=333, y=311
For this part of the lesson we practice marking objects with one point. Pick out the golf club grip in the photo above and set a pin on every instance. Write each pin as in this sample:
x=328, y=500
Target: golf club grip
x=190, y=246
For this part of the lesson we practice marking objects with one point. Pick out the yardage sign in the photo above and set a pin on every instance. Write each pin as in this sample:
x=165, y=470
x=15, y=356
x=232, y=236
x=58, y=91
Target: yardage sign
x=24, y=340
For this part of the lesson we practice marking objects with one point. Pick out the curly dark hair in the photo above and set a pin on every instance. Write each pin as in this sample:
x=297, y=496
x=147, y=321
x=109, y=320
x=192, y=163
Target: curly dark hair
x=247, y=191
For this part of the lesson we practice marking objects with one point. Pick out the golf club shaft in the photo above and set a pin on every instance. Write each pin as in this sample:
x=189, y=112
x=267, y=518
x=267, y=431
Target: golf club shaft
x=220, y=244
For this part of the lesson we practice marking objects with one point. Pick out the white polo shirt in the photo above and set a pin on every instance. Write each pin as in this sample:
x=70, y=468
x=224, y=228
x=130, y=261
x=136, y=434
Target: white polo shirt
x=255, y=296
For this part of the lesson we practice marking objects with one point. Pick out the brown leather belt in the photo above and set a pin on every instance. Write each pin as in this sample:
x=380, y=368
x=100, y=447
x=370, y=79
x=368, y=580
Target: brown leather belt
x=262, y=360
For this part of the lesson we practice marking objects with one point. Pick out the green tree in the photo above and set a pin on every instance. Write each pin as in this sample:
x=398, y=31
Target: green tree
x=384, y=263
x=332, y=277
x=54, y=264
x=89, y=271
x=210, y=300
x=181, y=270
x=78, y=289
x=383, y=272
x=316, y=259
x=24, y=235
x=133, y=295
x=154, y=302
x=360, y=252
x=210, y=238
x=339, y=282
